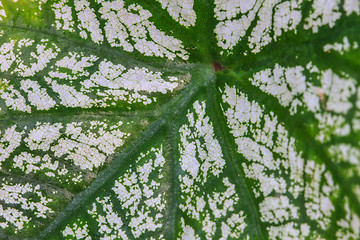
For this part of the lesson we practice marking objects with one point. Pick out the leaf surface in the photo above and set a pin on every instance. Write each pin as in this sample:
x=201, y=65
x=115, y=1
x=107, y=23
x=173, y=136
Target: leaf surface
x=179, y=119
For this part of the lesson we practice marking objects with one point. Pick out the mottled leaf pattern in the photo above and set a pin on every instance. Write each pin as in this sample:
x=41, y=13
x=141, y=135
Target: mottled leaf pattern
x=179, y=119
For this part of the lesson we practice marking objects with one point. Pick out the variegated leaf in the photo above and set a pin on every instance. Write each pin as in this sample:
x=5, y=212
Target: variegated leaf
x=179, y=119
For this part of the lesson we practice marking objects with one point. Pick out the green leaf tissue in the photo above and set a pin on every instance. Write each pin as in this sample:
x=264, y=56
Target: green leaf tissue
x=179, y=119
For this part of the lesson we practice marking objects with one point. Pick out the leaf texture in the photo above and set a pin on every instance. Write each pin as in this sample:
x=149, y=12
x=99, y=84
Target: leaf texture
x=179, y=119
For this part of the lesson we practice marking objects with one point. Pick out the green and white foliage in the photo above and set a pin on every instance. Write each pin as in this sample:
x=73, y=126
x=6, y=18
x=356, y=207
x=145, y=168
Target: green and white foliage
x=179, y=119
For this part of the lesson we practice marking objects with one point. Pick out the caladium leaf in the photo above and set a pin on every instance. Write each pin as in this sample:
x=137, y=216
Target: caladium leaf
x=179, y=119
